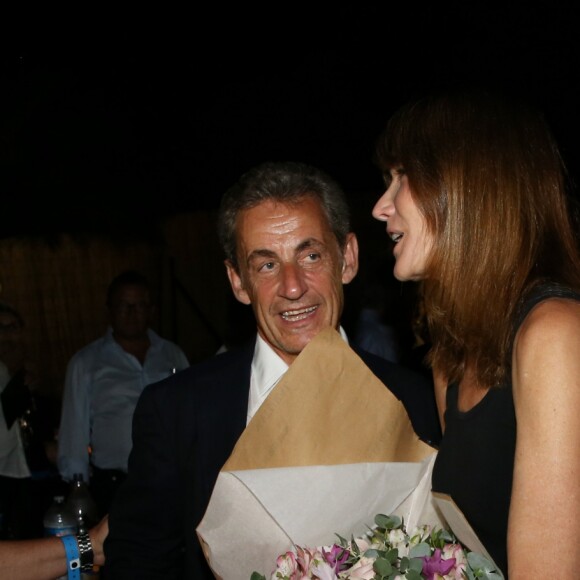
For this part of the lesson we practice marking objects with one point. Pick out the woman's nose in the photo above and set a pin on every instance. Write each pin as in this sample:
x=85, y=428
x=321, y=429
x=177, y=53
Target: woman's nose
x=384, y=207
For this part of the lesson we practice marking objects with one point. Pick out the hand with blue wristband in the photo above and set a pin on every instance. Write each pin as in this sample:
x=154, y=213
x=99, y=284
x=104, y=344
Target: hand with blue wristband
x=45, y=558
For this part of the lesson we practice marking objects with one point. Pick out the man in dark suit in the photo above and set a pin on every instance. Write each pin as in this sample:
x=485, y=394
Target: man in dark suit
x=286, y=234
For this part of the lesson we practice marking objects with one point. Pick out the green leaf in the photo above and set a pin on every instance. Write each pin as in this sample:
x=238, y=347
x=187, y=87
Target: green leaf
x=404, y=564
x=382, y=567
x=480, y=564
x=353, y=547
x=416, y=564
x=420, y=550
x=387, y=522
x=448, y=537
x=413, y=575
x=256, y=576
x=342, y=541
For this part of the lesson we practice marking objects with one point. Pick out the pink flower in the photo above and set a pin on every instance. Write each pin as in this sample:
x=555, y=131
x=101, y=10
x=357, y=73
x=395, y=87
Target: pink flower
x=322, y=570
x=434, y=565
x=286, y=565
x=363, y=569
x=456, y=552
x=363, y=544
x=305, y=557
x=336, y=557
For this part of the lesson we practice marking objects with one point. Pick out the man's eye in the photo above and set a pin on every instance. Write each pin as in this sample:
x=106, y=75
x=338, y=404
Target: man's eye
x=313, y=257
x=266, y=267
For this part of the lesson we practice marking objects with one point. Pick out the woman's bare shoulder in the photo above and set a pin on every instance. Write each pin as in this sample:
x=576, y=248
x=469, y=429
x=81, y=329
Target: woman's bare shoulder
x=556, y=319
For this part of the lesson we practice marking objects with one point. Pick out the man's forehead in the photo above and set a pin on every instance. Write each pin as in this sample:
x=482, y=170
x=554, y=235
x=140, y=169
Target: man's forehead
x=272, y=217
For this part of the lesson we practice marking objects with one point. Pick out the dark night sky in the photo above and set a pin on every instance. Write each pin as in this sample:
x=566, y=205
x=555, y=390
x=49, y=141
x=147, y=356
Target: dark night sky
x=113, y=128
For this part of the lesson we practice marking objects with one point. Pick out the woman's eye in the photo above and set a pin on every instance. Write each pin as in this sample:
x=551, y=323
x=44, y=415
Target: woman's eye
x=394, y=174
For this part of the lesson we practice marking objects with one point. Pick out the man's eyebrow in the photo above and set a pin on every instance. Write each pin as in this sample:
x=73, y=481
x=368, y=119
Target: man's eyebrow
x=309, y=243
x=260, y=253
x=265, y=253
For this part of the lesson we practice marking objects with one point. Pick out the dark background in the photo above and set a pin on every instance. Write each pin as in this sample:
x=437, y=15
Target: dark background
x=113, y=122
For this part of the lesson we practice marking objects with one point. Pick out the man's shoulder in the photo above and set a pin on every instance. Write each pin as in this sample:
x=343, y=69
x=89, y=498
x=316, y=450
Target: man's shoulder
x=157, y=339
x=218, y=371
x=89, y=351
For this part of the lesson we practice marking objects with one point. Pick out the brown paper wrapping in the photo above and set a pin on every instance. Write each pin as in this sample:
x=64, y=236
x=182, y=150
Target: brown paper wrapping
x=328, y=409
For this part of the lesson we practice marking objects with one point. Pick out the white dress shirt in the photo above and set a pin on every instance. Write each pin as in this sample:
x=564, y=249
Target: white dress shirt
x=103, y=385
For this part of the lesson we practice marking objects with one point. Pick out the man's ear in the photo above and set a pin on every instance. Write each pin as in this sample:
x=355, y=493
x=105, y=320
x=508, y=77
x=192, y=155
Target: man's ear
x=350, y=258
x=237, y=284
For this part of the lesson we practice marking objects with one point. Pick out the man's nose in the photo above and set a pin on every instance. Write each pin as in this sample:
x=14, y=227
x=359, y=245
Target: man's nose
x=292, y=281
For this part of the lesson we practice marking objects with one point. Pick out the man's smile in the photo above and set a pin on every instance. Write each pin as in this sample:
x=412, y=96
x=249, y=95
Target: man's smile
x=296, y=315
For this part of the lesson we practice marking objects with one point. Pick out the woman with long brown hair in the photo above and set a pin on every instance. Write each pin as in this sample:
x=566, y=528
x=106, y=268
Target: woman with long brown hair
x=476, y=206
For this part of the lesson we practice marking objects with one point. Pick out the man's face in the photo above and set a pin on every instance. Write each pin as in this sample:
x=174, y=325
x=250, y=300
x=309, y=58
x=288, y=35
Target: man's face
x=291, y=270
x=130, y=312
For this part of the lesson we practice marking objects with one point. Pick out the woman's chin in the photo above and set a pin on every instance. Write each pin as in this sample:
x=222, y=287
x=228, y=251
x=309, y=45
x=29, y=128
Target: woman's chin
x=405, y=275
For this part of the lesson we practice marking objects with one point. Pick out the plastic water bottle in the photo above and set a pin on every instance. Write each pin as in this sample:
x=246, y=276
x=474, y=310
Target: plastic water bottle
x=81, y=503
x=58, y=520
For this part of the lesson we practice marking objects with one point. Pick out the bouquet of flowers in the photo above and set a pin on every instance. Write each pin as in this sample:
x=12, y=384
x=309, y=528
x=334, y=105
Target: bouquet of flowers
x=386, y=552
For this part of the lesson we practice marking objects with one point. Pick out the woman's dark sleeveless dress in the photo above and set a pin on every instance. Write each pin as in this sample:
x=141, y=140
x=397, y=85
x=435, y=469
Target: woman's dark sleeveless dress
x=475, y=461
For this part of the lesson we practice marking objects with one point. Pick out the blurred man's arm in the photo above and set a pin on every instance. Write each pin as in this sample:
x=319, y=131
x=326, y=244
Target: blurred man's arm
x=74, y=430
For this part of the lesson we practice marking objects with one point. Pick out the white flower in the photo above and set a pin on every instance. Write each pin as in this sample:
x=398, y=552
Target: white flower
x=397, y=536
x=418, y=535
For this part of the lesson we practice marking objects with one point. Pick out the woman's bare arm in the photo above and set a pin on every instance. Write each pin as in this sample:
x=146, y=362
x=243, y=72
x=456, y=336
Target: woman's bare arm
x=546, y=489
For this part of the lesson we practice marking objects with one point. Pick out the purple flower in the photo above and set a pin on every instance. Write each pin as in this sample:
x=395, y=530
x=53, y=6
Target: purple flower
x=337, y=557
x=436, y=565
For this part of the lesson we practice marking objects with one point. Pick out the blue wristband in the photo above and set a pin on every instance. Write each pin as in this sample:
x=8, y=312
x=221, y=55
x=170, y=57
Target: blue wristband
x=73, y=561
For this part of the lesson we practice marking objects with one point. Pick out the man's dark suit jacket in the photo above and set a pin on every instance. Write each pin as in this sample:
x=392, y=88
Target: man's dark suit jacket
x=184, y=430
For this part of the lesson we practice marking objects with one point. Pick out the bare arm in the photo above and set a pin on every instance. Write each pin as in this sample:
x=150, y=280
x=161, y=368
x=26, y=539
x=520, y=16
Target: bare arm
x=44, y=558
x=546, y=489
x=41, y=559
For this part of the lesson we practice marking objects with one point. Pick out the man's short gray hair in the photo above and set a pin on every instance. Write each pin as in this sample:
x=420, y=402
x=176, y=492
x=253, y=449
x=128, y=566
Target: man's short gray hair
x=284, y=182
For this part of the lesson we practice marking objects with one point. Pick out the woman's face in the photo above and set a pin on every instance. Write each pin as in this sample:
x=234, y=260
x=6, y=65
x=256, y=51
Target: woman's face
x=406, y=226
